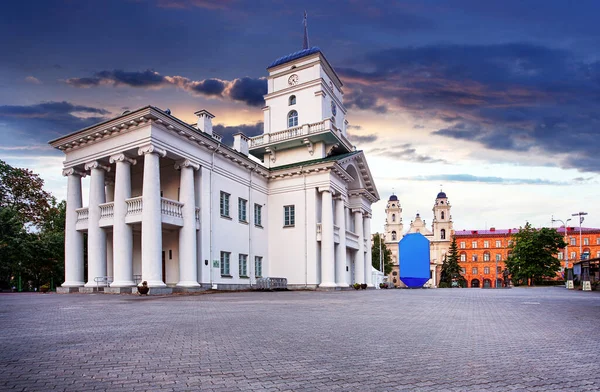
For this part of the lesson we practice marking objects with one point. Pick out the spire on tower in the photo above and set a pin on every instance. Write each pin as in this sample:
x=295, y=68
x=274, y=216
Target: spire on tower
x=305, y=22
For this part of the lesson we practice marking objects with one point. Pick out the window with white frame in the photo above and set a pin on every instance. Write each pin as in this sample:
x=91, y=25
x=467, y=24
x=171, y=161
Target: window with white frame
x=242, y=215
x=474, y=257
x=486, y=244
x=225, y=271
x=289, y=216
x=586, y=241
x=560, y=255
x=463, y=245
x=573, y=241
x=598, y=254
x=474, y=271
x=486, y=256
x=243, y=266
x=258, y=266
x=474, y=244
x=486, y=270
x=224, y=204
x=292, y=119
x=598, y=241
x=292, y=100
x=573, y=255
x=498, y=257
x=498, y=244
x=463, y=270
x=258, y=215
x=463, y=257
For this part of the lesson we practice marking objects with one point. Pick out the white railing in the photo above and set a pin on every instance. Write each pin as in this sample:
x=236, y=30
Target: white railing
x=82, y=214
x=171, y=207
x=107, y=210
x=134, y=205
x=197, y=214
x=291, y=133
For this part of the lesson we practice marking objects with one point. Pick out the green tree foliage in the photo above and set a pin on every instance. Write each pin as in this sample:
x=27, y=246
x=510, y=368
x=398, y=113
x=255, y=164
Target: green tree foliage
x=386, y=254
x=533, y=254
x=450, y=267
x=31, y=230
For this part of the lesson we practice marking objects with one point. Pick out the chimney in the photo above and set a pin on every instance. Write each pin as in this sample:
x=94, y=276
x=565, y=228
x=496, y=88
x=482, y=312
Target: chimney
x=205, y=121
x=492, y=229
x=240, y=143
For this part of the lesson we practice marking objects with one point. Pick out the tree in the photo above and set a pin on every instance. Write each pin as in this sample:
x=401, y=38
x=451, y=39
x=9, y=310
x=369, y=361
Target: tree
x=12, y=233
x=450, y=267
x=386, y=254
x=532, y=256
x=22, y=190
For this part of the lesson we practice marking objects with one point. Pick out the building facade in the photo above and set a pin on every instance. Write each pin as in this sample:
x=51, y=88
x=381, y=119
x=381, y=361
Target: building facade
x=170, y=204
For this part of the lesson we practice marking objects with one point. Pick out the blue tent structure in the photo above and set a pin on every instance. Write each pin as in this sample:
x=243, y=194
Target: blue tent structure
x=414, y=260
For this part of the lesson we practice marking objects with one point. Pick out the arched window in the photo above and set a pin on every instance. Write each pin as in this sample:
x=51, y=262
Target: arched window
x=292, y=100
x=393, y=217
x=443, y=233
x=292, y=119
x=393, y=235
x=442, y=215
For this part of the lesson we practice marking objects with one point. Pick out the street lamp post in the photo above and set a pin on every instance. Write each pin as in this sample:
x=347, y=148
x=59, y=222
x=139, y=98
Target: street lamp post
x=566, y=240
x=581, y=218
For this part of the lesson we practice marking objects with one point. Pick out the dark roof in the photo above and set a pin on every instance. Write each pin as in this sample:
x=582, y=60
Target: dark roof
x=441, y=195
x=393, y=198
x=294, y=56
x=331, y=158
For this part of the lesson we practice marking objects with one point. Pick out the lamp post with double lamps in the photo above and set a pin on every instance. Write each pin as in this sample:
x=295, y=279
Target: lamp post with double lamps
x=569, y=277
x=581, y=218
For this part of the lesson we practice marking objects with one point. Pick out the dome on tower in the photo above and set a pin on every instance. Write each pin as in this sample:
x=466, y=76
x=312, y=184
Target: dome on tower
x=441, y=195
x=393, y=198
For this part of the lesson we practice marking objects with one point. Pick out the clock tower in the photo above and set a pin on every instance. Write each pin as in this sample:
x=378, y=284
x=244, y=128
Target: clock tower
x=304, y=116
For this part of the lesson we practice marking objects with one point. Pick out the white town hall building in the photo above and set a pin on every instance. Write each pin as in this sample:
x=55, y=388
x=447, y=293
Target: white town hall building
x=171, y=205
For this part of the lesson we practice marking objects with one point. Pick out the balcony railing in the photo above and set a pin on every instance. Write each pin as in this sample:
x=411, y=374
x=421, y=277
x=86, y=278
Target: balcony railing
x=134, y=205
x=294, y=132
x=171, y=208
x=107, y=210
x=82, y=214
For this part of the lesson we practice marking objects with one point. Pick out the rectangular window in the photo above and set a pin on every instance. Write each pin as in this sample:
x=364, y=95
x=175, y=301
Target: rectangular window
x=498, y=244
x=243, y=266
x=463, y=257
x=598, y=254
x=463, y=270
x=474, y=244
x=224, y=204
x=560, y=256
x=258, y=215
x=242, y=203
x=486, y=270
x=474, y=271
x=598, y=241
x=474, y=257
x=289, y=216
x=486, y=244
x=586, y=241
x=573, y=241
x=463, y=245
x=225, y=271
x=498, y=257
x=573, y=255
x=258, y=266
x=486, y=256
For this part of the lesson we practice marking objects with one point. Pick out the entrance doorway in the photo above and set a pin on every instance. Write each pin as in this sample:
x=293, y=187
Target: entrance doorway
x=475, y=283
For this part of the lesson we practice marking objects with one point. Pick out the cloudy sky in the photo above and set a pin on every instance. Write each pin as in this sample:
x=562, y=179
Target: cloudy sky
x=496, y=102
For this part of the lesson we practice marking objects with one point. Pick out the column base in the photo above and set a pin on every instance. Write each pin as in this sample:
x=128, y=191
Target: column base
x=188, y=283
x=328, y=285
x=122, y=283
x=343, y=285
x=154, y=283
x=73, y=284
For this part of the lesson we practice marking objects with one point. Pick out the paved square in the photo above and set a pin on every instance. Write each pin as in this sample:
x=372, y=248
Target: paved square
x=535, y=339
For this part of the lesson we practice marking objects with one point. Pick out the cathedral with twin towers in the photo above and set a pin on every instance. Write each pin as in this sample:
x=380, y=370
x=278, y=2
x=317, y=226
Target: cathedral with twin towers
x=440, y=235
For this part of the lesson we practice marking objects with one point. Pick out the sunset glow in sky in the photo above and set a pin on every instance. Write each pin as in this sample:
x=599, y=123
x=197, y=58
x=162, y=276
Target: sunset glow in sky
x=496, y=102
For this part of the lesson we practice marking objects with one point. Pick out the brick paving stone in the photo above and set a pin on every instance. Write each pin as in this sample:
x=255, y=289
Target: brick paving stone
x=522, y=339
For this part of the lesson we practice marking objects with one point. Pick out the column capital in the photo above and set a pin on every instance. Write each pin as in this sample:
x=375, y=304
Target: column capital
x=96, y=165
x=186, y=163
x=359, y=210
x=71, y=171
x=325, y=189
x=121, y=158
x=152, y=149
x=367, y=215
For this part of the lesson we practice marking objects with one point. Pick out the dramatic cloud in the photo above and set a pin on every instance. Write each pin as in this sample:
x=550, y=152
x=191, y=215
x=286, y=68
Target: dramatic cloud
x=227, y=132
x=484, y=179
x=29, y=128
x=246, y=90
x=362, y=139
x=511, y=97
x=404, y=152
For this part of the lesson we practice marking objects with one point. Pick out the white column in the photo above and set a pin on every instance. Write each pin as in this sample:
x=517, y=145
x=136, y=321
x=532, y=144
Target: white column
x=368, y=253
x=151, y=217
x=359, y=262
x=73, y=238
x=327, y=243
x=188, y=266
x=340, y=256
x=96, y=235
x=122, y=232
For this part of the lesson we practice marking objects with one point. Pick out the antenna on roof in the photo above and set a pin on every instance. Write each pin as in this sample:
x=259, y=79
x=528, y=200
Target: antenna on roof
x=305, y=22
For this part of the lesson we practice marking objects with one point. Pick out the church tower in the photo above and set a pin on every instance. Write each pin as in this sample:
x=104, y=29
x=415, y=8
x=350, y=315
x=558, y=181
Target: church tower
x=442, y=220
x=393, y=222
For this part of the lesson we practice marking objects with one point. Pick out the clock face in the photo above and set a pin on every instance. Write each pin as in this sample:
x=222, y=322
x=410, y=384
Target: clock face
x=293, y=80
x=333, y=108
